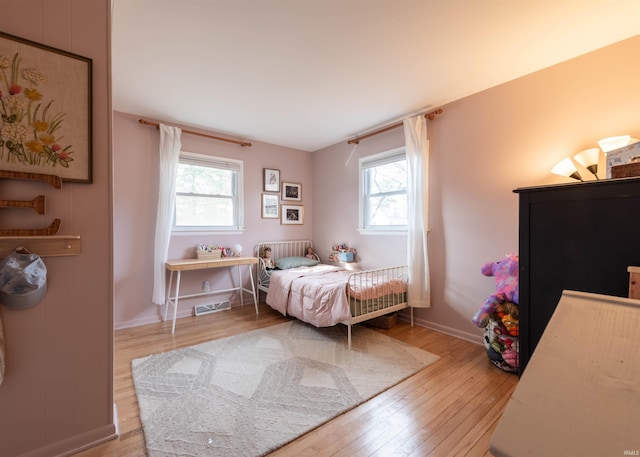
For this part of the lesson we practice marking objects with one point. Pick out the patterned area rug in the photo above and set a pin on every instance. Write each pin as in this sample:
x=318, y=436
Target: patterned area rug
x=250, y=394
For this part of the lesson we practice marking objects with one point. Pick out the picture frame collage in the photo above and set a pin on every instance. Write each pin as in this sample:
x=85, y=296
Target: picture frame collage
x=274, y=191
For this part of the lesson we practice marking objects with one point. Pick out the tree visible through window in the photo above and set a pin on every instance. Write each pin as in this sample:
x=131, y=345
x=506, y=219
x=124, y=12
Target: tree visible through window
x=208, y=193
x=384, y=191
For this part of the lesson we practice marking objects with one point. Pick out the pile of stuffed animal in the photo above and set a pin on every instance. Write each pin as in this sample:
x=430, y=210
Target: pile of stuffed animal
x=499, y=314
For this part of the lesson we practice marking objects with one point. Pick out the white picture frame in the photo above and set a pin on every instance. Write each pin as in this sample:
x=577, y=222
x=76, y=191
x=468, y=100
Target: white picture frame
x=270, y=206
x=271, y=179
x=292, y=214
x=291, y=191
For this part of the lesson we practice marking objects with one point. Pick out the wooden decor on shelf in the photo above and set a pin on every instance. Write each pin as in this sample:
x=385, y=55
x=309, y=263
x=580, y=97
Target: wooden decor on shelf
x=41, y=240
x=52, y=229
x=53, y=180
x=37, y=204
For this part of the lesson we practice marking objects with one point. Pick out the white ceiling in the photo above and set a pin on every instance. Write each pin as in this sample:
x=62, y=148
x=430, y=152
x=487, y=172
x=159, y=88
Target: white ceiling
x=307, y=74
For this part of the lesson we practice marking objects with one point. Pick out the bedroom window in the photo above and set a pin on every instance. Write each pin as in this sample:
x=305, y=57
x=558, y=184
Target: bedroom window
x=208, y=194
x=383, y=190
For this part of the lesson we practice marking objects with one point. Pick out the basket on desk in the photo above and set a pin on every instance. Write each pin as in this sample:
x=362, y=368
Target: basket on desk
x=206, y=255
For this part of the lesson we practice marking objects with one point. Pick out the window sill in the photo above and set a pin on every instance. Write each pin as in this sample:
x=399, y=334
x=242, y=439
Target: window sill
x=207, y=232
x=382, y=232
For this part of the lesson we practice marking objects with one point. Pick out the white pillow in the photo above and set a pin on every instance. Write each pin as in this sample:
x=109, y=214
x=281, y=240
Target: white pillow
x=296, y=261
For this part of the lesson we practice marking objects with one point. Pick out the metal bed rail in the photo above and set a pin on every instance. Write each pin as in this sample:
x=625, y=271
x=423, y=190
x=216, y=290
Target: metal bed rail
x=279, y=250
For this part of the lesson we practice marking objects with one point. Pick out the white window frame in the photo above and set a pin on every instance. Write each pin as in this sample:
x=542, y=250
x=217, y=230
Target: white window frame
x=223, y=163
x=371, y=162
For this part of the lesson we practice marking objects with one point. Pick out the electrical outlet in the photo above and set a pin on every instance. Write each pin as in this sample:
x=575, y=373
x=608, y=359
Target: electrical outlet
x=206, y=286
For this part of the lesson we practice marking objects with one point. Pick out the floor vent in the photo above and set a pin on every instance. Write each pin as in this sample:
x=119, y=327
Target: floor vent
x=199, y=310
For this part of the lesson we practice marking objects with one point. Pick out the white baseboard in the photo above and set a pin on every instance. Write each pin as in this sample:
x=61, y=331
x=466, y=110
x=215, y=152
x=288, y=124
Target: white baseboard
x=75, y=444
x=187, y=312
x=115, y=419
x=183, y=311
x=471, y=337
x=138, y=322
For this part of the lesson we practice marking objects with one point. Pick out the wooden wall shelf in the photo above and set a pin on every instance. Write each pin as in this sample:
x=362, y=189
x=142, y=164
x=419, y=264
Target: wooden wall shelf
x=44, y=246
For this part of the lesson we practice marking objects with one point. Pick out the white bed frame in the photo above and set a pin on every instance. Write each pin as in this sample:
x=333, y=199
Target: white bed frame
x=279, y=250
x=361, y=310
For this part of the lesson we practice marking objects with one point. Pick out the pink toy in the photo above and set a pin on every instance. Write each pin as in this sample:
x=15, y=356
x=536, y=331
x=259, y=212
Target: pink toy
x=506, y=272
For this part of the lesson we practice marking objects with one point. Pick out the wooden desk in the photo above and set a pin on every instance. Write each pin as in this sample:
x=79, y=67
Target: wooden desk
x=579, y=395
x=178, y=266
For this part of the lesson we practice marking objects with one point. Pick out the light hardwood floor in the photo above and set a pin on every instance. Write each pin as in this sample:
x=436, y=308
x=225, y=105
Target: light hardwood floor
x=448, y=409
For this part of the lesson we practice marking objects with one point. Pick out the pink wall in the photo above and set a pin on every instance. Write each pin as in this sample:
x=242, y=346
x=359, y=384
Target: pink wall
x=483, y=147
x=135, y=200
x=57, y=393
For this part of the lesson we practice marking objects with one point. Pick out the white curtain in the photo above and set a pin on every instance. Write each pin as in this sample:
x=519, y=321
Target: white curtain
x=417, y=148
x=169, y=154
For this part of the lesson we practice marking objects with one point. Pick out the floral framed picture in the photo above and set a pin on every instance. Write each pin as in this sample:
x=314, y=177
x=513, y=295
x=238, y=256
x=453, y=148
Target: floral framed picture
x=291, y=191
x=292, y=215
x=271, y=180
x=45, y=114
x=270, y=206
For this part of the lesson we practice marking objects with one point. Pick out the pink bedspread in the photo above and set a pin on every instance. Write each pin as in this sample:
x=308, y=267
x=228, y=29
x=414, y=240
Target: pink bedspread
x=315, y=295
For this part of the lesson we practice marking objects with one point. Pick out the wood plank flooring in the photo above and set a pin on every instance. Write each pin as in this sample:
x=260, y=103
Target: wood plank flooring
x=451, y=408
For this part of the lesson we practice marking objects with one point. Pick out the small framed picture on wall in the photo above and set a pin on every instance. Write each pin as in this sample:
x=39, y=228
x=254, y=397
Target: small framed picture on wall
x=292, y=215
x=270, y=206
x=271, y=180
x=291, y=191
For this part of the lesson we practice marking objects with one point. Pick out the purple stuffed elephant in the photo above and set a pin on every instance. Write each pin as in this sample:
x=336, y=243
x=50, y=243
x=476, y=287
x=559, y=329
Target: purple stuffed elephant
x=507, y=290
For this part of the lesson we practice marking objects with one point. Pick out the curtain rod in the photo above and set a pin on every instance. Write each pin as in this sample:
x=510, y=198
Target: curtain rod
x=156, y=125
x=430, y=115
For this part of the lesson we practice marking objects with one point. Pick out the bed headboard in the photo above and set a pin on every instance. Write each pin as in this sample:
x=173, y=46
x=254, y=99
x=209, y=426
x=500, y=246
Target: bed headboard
x=287, y=248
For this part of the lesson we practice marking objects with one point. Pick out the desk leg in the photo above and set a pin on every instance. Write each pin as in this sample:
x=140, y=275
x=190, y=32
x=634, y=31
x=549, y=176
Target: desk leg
x=167, y=300
x=175, y=302
x=240, y=286
x=253, y=288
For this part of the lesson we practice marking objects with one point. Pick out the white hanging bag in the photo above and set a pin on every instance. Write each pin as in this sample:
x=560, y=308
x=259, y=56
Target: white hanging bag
x=23, y=279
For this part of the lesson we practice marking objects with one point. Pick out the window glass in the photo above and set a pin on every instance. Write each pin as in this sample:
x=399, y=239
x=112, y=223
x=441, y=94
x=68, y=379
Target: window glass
x=208, y=193
x=384, y=191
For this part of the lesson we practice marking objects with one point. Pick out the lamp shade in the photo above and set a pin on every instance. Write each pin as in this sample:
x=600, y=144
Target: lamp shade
x=589, y=159
x=566, y=168
x=614, y=142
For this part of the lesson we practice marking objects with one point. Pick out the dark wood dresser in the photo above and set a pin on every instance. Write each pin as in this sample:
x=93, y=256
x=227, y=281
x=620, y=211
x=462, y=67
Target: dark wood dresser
x=578, y=236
